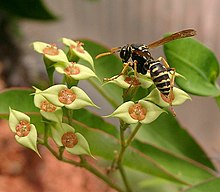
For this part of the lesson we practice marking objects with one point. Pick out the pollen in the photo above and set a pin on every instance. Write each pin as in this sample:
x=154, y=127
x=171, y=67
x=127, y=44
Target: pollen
x=78, y=47
x=47, y=106
x=132, y=81
x=137, y=112
x=23, y=128
x=69, y=139
x=66, y=96
x=72, y=70
x=51, y=50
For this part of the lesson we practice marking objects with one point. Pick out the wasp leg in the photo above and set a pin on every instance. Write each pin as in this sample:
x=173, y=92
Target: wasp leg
x=164, y=62
x=126, y=65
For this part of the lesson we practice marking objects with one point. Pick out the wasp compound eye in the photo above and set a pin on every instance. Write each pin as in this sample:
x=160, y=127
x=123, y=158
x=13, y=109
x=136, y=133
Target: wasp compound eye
x=125, y=53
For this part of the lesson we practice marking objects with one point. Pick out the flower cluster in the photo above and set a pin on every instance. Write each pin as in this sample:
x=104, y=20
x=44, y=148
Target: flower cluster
x=149, y=106
x=53, y=100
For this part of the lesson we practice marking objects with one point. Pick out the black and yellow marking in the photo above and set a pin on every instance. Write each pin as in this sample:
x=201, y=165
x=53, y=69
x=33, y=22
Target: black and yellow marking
x=160, y=77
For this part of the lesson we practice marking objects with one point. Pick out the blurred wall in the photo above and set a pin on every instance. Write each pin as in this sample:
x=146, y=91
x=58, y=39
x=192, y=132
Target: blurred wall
x=117, y=22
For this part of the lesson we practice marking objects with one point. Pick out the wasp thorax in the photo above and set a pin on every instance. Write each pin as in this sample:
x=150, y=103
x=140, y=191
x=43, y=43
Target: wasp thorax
x=66, y=96
x=69, y=139
x=51, y=50
x=23, y=128
x=72, y=69
x=47, y=106
x=137, y=112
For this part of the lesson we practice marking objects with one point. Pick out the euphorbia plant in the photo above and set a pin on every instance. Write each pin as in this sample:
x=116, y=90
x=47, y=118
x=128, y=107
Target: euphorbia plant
x=148, y=140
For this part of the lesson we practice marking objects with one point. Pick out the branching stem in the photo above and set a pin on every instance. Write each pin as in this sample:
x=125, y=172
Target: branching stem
x=83, y=163
x=124, y=145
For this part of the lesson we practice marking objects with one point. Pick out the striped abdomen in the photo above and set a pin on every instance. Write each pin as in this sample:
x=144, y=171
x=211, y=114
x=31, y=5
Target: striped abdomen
x=160, y=77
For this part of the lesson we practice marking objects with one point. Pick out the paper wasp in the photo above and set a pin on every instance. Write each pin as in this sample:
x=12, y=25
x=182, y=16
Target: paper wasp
x=139, y=58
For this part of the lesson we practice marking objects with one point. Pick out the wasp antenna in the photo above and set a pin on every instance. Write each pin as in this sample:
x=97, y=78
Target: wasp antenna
x=113, y=50
x=103, y=54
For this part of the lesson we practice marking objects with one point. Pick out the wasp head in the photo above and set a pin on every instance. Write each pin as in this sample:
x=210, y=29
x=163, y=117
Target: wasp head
x=125, y=53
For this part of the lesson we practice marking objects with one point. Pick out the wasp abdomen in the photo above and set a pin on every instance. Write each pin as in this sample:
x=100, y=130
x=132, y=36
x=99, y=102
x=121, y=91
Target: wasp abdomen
x=160, y=77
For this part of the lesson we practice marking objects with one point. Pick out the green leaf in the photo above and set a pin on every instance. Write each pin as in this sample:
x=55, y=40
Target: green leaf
x=31, y=9
x=94, y=121
x=208, y=186
x=158, y=162
x=12, y=97
x=196, y=63
x=162, y=144
x=167, y=134
x=182, y=168
x=105, y=67
x=103, y=145
x=217, y=99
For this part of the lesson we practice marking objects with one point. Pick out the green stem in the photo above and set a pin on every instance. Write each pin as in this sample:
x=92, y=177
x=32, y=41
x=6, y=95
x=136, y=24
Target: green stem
x=124, y=145
x=131, y=137
x=101, y=176
x=83, y=163
x=124, y=178
x=128, y=142
x=69, y=116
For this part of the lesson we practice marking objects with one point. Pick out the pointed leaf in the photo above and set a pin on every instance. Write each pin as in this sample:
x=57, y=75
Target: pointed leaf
x=30, y=141
x=12, y=97
x=78, y=50
x=59, y=130
x=81, y=148
x=155, y=96
x=15, y=117
x=83, y=71
x=123, y=112
x=196, y=63
x=34, y=9
x=105, y=67
x=56, y=55
x=212, y=185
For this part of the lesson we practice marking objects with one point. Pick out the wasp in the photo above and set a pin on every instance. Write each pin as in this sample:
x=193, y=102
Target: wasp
x=138, y=57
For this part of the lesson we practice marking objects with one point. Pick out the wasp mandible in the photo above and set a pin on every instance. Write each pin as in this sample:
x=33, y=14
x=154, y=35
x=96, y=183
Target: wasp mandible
x=140, y=59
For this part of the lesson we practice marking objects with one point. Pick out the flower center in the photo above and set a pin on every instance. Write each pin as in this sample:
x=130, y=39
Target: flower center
x=69, y=139
x=66, y=96
x=137, y=112
x=47, y=106
x=72, y=70
x=51, y=50
x=132, y=81
x=169, y=98
x=78, y=47
x=23, y=128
